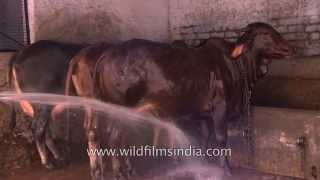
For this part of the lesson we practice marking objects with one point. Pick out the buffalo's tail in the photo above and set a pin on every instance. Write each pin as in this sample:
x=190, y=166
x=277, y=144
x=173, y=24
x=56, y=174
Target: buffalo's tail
x=68, y=87
x=68, y=83
x=10, y=83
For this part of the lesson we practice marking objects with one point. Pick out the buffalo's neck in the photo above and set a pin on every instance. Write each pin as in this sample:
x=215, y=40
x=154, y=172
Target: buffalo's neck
x=245, y=68
x=250, y=59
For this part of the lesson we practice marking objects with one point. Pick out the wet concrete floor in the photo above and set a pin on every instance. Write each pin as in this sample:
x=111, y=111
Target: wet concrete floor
x=80, y=171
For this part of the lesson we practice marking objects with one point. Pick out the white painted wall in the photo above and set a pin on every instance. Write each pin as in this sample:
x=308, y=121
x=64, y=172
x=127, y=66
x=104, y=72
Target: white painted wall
x=98, y=20
x=163, y=20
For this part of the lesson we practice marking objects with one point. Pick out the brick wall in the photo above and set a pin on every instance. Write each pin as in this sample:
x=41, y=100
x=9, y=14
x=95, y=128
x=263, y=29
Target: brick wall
x=297, y=20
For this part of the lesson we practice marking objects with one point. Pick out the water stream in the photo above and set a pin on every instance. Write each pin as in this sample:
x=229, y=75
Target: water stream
x=193, y=168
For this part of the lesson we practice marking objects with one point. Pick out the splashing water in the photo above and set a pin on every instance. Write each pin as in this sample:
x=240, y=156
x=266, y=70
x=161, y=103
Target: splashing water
x=124, y=115
x=196, y=171
x=121, y=113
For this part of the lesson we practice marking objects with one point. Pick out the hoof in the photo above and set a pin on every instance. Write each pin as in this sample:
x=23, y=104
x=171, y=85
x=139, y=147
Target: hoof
x=49, y=166
x=96, y=176
x=60, y=162
x=133, y=173
x=119, y=177
x=227, y=171
x=126, y=173
x=176, y=161
x=224, y=164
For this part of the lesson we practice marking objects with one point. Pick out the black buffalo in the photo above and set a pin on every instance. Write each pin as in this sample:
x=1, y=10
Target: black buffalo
x=41, y=67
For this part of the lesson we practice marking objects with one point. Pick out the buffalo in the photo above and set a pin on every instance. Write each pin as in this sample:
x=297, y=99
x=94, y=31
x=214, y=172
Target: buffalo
x=170, y=82
x=41, y=67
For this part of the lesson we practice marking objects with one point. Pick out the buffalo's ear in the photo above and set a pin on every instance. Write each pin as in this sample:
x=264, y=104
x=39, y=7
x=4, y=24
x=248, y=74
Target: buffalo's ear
x=238, y=50
x=243, y=30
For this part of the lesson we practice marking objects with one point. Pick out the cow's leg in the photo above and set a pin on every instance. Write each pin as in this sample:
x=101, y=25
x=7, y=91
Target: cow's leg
x=220, y=125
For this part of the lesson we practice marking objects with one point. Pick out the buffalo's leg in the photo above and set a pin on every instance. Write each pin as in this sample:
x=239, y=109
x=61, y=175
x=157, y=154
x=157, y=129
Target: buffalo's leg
x=220, y=126
x=123, y=168
x=116, y=168
x=39, y=126
x=13, y=120
x=115, y=142
x=121, y=165
x=129, y=166
x=126, y=168
x=41, y=122
x=94, y=145
x=156, y=135
x=171, y=138
x=151, y=108
x=204, y=134
x=96, y=159
x=55, y=112
x=41, y=147
x=43, y=136
x=53, y=148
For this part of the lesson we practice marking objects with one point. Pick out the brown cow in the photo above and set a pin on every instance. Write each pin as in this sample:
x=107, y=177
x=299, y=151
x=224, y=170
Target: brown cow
x=173, y=82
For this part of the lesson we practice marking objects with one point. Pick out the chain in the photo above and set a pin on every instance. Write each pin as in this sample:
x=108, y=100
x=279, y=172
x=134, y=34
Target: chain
x=247, y=115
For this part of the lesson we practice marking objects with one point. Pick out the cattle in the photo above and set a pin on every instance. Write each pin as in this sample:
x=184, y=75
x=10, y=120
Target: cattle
x=41, y=67
x=172, y=82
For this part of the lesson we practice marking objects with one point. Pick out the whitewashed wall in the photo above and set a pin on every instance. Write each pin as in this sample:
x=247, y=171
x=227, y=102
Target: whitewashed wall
x=98, y=20
x=163, y=20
